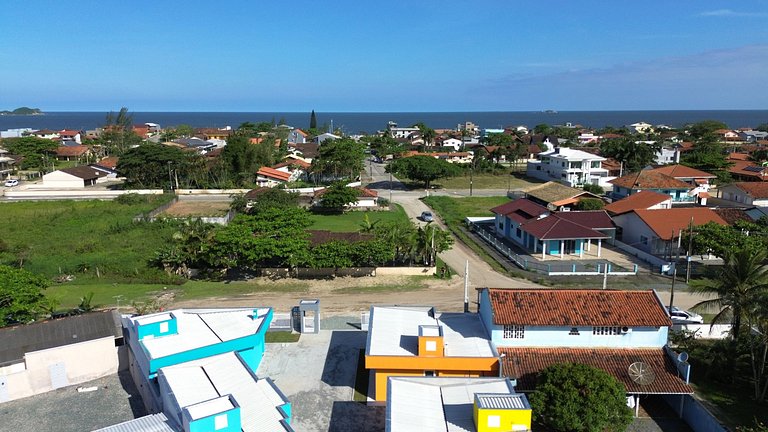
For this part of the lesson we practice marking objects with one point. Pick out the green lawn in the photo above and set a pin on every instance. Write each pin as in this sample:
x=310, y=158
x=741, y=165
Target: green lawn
x=281, y=337
x=454, y=210
x=353, y=221
x=486, y=181
x=105, y=294
x=733, y=406
x=83, y=238
x=414, y=283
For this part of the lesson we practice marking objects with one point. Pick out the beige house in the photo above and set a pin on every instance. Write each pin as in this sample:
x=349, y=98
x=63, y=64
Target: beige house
x=47, y=355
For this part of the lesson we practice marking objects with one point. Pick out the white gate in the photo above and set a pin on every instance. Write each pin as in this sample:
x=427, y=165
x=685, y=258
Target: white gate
x=58, y=373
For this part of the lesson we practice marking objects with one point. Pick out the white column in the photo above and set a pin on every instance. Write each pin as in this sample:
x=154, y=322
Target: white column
x=589, y=244
x=581, y=248
x=562, y=248
x=599, y=246
x=543, y=248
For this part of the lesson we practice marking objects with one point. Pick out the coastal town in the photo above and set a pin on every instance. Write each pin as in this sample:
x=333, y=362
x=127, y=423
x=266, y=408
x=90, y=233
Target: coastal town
x=283, y=277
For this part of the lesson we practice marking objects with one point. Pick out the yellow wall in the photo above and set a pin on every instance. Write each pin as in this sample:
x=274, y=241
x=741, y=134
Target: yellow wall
x=508, y=417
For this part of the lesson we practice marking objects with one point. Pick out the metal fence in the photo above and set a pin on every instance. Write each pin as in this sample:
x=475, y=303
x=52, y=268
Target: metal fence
x=551, y=269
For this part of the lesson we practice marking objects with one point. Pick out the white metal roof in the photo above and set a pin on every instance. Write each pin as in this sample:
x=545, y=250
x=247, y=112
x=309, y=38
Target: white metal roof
x=224, y=375
x=150, y=423
x=201, y=327
x=571, y=155
x=424, y=404
x=502, y=401
x=394, y=331
x=209, y=408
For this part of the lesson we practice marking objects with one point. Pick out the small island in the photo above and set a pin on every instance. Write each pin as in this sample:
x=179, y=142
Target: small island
x=23, y=111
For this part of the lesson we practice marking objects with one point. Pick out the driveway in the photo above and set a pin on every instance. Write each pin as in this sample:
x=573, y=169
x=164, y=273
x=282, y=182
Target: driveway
x=317, y=374
x=480, y=273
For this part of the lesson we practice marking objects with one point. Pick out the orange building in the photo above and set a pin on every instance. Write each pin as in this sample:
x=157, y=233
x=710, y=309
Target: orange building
x=418, y=341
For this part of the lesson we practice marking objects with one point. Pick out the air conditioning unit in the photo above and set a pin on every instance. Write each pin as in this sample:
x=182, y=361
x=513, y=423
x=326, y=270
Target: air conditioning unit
x=625, y=330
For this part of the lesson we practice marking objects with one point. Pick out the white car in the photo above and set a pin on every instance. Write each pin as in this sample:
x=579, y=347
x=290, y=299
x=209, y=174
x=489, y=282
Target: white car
x=11, y=183
x=680, y=316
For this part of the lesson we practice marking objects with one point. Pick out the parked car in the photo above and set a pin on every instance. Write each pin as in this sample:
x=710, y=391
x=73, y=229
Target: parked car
x=11, y=183
x=427, y=216
x=680, y=316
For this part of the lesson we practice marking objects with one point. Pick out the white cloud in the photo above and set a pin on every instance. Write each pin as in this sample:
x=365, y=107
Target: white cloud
x=733, y=14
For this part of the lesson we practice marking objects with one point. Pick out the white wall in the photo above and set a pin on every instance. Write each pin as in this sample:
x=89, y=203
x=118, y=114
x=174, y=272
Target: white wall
x=83, y=361
x=540, y=336
x=59, y=179
x=632, y=229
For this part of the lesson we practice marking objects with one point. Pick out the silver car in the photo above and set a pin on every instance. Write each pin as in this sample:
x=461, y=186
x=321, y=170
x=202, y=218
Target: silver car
x=680, y=316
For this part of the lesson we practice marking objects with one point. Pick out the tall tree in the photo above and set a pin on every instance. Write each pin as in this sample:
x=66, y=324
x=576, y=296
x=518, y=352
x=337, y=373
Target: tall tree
x=37, y=152
x=742, y=281
x=21, y=295
x=339, y=158
x=313, y=120
x=424, y=169
x=634, y=154
x=154, y=165
x=240, y=160
x=118, y=135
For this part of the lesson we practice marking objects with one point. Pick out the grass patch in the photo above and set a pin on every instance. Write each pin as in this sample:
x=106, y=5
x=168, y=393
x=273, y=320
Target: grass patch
x=414, y=283
x=106, y=294
x=361, y=379
x=353, y=221
x=486, y=181
x=281, y=337
x=84, y=238
x=455, y=210
x=733, y=405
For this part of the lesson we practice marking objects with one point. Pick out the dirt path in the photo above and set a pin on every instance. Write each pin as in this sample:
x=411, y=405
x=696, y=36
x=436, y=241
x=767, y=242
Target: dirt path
x=348, y=295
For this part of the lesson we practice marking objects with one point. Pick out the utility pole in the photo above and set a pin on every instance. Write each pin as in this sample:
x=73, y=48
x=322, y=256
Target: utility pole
x=466, y=287
x=688, y=252
x=471, y=170
x=170, y=177
x=674, y=271
x=390, y=188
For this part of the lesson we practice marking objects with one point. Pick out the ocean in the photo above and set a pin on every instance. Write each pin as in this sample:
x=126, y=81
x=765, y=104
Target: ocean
x=352, y=123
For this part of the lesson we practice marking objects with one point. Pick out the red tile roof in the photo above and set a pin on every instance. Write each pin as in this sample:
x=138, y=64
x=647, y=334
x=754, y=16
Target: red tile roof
x=667, y=223
x=65, y=132
x=639, y=201
x=557, y=227
x=67, y=151
x=682, y=171
x=742, y=168
x=520, y=210
x=649, y=179
x=561, y=307
x=273, y=173
x=291, y=162
x=594, y=219
x=754, y=189
x=524, y=364
x=109, y=162
x=738, y=156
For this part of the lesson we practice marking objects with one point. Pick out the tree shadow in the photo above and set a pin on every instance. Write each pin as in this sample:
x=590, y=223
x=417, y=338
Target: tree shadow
x=349, y=416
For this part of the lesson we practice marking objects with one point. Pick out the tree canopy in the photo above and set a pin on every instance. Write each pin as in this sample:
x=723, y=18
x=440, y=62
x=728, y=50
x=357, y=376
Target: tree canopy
x=339, y=158
x=21, y=295
x=35, y=151
x=338, y=196
x=149, y=164
x=634, y=154
x=575, y=397
x=423, y=169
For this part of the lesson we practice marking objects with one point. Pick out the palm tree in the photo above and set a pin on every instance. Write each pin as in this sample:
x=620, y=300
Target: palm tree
x=740, y=283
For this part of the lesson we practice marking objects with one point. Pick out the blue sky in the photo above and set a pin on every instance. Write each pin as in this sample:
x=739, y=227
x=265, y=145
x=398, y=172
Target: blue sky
x=383, y=56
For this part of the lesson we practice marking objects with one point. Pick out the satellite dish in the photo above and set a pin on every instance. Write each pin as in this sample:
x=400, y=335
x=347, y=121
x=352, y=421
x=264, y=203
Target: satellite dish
x=641, y=373
x=682, y=357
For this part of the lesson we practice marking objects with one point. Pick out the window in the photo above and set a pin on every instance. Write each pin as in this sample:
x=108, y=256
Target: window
x=518, y=232
x=574, y=331
x=164, y=327
x=501, y=225
x=606, y=331
x=494, y=421
x=576, y=165
x=429, y=373
x=431, y=345
x=594, y=164
x=644, y=240
x=220, y=422
x=514, y=332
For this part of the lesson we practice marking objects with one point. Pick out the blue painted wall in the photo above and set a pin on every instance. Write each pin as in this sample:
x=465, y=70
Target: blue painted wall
x=207, y=424
x=540, y=336
x=155, y=329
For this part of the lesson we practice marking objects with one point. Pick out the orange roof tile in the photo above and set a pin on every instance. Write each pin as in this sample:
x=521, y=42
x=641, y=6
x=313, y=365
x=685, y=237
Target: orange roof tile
x=665, y=222
x=754, y=189
x=738, y=156
x=682, y=171
x=562, y=307
x=72, y=150
x=641, y=200
x=273, y=173
x=109, y=162
x=649, y=179
x=524, y=364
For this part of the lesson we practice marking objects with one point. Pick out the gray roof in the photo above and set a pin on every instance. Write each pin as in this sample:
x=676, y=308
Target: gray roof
x=150, y=423
x=21, y=339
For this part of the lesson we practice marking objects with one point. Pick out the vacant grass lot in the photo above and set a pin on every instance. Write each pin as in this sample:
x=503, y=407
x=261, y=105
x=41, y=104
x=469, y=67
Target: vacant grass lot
x=454, y=210
x=487, y=181
x=353, y=221
x=88, y=239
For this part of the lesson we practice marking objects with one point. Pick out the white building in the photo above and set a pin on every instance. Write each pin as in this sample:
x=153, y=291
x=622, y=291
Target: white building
x=572, y=167
x=746, y=193
x=456, y=144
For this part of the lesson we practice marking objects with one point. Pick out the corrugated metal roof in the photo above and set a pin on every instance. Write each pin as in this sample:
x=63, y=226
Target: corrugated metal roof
x=21, y=339
x=394, y=331
x=150, y=423
x=496, y=401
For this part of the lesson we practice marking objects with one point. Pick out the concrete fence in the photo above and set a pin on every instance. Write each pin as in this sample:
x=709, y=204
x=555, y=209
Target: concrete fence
x=405, y=271
x=76, y=194
x=694, y=413
x=705, y=331
x=655, y=261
